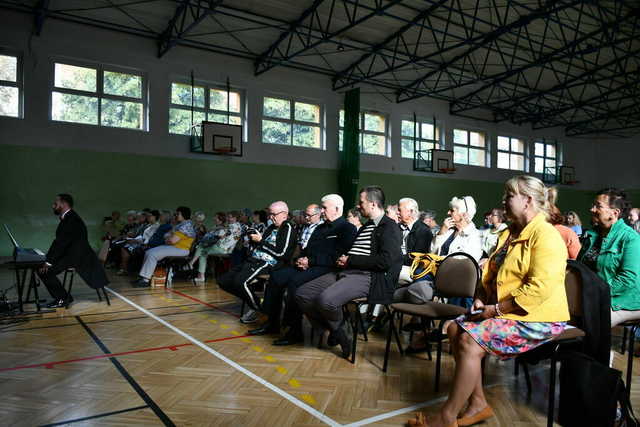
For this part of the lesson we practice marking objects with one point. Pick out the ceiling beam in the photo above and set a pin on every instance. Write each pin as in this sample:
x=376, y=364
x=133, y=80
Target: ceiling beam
x=465, y=103
x=187, y=16
x=483, y=42
x=40, y=11
x=294, y=42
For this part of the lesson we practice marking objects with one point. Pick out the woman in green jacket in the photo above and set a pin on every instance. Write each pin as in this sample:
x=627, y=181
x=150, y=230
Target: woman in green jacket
x=612, y=250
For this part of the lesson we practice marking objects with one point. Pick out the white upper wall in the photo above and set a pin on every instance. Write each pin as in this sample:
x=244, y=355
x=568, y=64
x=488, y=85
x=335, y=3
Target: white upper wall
x=61, y=40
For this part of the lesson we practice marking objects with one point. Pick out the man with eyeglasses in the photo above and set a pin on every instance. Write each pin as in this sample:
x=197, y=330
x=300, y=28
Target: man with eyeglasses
x=330, y=237
x=370, y=268
x=269, y=252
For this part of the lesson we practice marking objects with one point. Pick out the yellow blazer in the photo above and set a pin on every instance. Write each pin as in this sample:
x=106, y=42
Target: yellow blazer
x=532, y=272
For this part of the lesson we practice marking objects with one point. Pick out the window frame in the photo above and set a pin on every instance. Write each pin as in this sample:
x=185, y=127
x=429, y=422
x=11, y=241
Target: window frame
x=525, y=153
x=438, y=143
x=99, y=93
x=207, y=102
x=291, y=121
x=19, y=83
x=362, y=131
x=557, y=158
x=485, y=149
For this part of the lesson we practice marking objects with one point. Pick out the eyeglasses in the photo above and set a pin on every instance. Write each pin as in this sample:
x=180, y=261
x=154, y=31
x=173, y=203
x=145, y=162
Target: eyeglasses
x=273, y=215
x=306, y=215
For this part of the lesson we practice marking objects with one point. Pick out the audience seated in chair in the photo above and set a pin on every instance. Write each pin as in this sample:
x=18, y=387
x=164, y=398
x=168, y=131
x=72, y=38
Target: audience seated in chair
x=571, y=239
x=392, y=212
x=198, y=224
x=272, y=249
x=178, y=243
x=428, y=217
x=355, y=218
x=369, y=269
x=489, y=236
x=528, y=309
x=634, y=219
x=220, y=241
x=138, y=244
x=572, y=220
x=322, y=241
x=612, y=250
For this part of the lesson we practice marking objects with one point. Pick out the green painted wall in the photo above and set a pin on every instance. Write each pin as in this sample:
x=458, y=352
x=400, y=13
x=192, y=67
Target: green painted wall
x=101, y=182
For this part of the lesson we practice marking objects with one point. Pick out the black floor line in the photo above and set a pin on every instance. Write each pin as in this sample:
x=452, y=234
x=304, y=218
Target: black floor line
x=106, y=414
x=143, y=394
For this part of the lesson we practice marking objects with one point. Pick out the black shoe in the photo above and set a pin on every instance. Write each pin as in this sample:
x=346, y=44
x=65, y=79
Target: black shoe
x=141, y=283
x=290, y=338
x=265, y=329
x=344, y=341
x=57, y=303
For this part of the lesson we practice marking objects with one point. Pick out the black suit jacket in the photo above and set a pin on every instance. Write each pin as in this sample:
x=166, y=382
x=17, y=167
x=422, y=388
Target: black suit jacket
x=384, y=263
x=418, y=240
x=328, y=241
x=71, y=249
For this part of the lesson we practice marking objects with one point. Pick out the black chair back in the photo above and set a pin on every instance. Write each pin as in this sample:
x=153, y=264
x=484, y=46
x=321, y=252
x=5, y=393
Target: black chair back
x=457, y=276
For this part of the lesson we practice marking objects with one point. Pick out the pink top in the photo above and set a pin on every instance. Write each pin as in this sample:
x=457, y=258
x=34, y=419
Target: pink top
x=570, y=239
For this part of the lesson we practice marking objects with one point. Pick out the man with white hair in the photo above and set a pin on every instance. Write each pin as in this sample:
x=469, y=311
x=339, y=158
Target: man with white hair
x=271, y=250
x=318, y=255
x=416, y=236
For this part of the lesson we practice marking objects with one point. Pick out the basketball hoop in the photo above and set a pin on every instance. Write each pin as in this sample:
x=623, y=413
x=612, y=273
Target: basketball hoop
x=447, y=170
x=571, y=182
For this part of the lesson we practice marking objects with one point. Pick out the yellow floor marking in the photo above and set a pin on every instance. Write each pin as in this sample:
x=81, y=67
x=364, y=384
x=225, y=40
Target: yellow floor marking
x=257, y=348
x=184, y=307
x=247, y=340
x=282, y=370
x=270, y=359
x=236, y=333
x=204, y=316
x=223, y=326
x=309, y=399
x=214, y=321
x=294, y=383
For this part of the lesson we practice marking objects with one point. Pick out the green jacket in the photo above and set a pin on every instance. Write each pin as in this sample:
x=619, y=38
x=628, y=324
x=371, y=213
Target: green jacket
x=618, y=264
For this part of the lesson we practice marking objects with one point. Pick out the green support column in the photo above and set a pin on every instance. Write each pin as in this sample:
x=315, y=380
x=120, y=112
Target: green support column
x=349, y=165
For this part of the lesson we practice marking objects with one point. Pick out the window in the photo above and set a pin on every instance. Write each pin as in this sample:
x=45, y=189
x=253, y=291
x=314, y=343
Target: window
x=511, y=153
x=427, y=137
x=289, y=122
x=545, y=157
x=469, y=148
x=373, y=133
x=10, y=85
x=210, y=103
x=99, y=96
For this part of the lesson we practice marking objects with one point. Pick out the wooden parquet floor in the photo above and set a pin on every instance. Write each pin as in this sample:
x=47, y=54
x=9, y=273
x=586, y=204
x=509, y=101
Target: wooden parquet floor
x=102, y=365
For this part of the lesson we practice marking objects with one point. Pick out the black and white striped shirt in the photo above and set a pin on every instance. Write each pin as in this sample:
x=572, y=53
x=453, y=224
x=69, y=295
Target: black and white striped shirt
x=362, y=244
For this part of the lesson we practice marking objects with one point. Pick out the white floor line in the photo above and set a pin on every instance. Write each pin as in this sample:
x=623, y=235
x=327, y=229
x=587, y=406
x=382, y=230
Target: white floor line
x=319, y=415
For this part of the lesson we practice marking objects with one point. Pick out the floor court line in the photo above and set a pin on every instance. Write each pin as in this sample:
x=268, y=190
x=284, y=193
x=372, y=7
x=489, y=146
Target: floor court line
x=174, y=347
x=202, y=302
x=93, y=417
x=309, y=409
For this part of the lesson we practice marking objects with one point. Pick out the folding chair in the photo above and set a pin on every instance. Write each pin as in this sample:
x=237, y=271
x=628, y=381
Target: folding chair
x=69, y=275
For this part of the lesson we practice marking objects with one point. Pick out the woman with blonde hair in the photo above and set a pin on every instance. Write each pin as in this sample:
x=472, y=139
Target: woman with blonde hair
x=574, y=223
x=528, y=309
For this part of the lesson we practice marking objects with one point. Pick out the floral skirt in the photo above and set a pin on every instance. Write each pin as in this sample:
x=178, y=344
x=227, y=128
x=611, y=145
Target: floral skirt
x=508, y=338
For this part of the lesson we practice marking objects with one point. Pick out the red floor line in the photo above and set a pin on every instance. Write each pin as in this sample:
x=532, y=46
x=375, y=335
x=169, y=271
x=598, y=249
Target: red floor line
x=202, y=302
x=50, y=365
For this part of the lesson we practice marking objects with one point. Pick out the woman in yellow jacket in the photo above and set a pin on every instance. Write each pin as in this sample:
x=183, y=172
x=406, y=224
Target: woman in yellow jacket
x=522, y=302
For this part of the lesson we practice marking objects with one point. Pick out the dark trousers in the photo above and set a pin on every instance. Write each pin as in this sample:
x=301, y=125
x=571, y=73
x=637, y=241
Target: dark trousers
x=51, y=281
x=236, y=281
x=289, y=279
x=322, y=299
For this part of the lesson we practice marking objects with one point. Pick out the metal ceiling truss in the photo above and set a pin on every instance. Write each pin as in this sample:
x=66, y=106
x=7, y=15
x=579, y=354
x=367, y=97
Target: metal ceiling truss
x=549, y=63
x=297, y=40
x=187, y=16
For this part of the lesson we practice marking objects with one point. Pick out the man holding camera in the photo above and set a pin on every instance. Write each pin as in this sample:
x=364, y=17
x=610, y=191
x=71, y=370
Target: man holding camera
x=269, y=251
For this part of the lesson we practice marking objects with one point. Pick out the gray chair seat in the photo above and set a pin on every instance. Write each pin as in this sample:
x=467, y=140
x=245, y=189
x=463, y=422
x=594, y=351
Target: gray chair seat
x=430, y=309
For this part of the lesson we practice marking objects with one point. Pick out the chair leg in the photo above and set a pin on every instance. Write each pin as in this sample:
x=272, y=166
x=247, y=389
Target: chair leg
x=439, y=355
x=353, y=321
x=527, y=377
x=242, y=308
x=106, y=296
x=632, y=336
x=388, y=346
x=552, y=390
x=361, y=322
x=396, y=334
x=516, y=367
x=69, y=290
x=623, y=344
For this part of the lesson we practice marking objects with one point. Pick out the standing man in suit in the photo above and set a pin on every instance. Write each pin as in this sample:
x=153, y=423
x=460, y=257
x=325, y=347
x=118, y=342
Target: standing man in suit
x=70, y=249
x=369, y=269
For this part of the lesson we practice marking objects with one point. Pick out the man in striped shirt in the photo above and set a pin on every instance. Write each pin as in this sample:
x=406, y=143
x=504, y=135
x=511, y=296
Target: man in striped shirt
x=369, y=269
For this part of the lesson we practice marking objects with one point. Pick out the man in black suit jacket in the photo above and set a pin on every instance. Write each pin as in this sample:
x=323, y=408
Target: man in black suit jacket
x=70, y=249
x=369, y=269
x=329, y=240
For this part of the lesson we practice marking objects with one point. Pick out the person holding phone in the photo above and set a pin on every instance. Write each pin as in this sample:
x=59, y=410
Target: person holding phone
x=521, y=304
